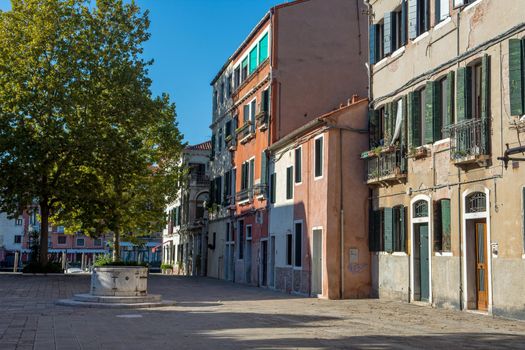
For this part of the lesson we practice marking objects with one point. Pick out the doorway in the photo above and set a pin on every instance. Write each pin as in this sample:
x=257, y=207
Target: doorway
x=271, y=267
x=421, y=263
x=264, y=263
x=317, y=262
x=481, y=266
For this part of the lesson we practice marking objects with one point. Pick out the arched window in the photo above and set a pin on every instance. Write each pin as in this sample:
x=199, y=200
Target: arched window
x=420, y=209
x=199, y=205
x=476, y=202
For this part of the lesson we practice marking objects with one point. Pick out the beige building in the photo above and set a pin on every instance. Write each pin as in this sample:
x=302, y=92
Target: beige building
x=447, y=217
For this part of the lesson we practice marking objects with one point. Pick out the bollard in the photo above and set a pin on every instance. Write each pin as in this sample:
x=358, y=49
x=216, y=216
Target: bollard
x=15, y=265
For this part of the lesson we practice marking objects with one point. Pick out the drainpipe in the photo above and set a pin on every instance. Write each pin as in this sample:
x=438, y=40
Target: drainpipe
x=461, y=306
x=368, y=65
x=341, y=215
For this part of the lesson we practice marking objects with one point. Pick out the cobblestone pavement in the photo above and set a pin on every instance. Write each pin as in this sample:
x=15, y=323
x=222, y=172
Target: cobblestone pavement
x=213, y=314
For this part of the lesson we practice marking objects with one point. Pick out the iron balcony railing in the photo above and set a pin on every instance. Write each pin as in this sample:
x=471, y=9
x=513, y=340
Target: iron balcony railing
x=469, y=138
x=244, y=195
x=386, y=165
x=199, y=180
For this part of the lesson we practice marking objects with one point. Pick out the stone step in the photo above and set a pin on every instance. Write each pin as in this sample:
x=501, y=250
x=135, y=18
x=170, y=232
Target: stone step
x=150, y=298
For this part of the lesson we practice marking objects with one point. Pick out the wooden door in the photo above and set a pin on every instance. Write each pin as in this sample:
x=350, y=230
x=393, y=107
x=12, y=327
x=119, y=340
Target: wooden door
x=481, y=266
x=317, y=263
x=424, y=262
x=264, y=258
x=272, y=261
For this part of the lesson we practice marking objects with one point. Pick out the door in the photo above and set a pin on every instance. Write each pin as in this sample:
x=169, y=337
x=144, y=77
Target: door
x=424, y=262
x=481, y=266
x=264, y=262
x=317, y=263
x=248, y=262
x=272, y=261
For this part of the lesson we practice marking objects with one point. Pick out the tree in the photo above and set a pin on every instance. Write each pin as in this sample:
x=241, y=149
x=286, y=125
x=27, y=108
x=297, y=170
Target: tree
x=80, y=132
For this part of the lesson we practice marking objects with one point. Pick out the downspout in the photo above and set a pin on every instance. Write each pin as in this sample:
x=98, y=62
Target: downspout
x=368, y=65
x=461, y=306
x=341, y=216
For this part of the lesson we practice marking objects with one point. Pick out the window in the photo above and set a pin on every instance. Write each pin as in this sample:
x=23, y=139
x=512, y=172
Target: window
x=228, y=233
x=517, y=76
x=215, y=98
x=18, y=239
x=263, y=48
x=442, y=225
x=418, y=17
x=246, y=113
x=245, y=169
x=298, y=254
x=417, y=117
x=19, y=222
x=298, y=165
x=472, y=93
x=222, y=93
x=289, y=245
x=289, y=182
x=219, y=140
x=273, y=187
x=420, y=209
x=438, y=107
x=252, y=172
x=60, y=229
x=376, y=42
x=237, y=77
x=387, y=229
x=392, y=30
x=476, y=90
x=62, y=239
x=476, y=202
x=253, y=60
x=227, y=187
x=446, y=93
x=265, y=103
x=248, y=232
x=228, y=128
x=241, y=239
x=442, y=10
x=318, y=157
x=97, y=242
x=80, y=242
x=244, y=69
x=253, y=106
x=377, y=127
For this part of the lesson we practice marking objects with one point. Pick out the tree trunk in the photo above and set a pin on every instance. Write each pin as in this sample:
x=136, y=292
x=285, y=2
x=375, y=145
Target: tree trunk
x=44, y=231
x=116, y=244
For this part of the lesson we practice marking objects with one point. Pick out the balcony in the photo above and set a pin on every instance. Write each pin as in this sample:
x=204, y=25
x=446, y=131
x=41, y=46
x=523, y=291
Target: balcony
x=469, y=141
x=231, y=142
x=261, y=119
x=385, y=166
x=246, y=132
x=244, y=196
x=260, y=191
x=200, y=180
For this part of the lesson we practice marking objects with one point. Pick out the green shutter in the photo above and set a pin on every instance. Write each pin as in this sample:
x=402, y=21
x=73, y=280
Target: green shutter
x=387, y=115
x=402, y=232
x=450, y=97
x=289, y=183
x=252, y=172
x=372, y=43
x=273, y=184
x=403, y=136
x=445, y=224
x=388, y=229
x=373, y=126
x=387, y=33
x=463, y=94
x=263, y=48
x=485, y=102
x=516, y=83
x=430, y=117
x=253, y=60
x=298, y=166
x=414, y=103
x=264, y=160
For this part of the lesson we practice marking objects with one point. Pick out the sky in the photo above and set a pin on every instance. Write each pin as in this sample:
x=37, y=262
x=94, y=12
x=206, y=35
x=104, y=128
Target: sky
x=190, y=42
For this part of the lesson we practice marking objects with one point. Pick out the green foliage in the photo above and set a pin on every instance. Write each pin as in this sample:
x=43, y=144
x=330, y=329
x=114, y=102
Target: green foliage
x=81, y=134
x=166, y=267
x=36, y=267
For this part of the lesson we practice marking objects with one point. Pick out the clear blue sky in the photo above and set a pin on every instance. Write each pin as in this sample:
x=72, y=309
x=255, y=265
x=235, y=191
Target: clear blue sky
x=191, y=40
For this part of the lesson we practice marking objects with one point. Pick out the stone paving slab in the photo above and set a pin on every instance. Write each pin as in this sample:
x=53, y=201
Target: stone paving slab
x=212, y=314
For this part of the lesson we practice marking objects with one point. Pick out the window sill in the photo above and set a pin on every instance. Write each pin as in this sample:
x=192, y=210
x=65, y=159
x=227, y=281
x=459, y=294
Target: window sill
x=381, y=62
x=420, y=37
x=399, y=254
x=474, y=4
x=442, y=23
x=443, y=254
x=398, y=52
x=442, y=141
x=297, y=268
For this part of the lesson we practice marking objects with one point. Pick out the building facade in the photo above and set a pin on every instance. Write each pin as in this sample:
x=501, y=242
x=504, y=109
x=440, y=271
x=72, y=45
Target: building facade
x=446, y=216
x=318, y=229
x=222, y=199
x=185, y=241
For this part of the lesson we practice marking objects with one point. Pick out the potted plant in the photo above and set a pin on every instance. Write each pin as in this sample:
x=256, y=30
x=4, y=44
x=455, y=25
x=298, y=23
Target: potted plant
x=167, y=269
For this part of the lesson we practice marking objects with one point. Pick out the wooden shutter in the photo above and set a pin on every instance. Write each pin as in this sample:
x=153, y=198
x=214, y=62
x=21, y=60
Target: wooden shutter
x=449, y=115
x=429, y=111
x=263, y=48
x=289, y=183
x=388, y=229
x=264, y=176
x=404, y=14
x=516, y=83
x=414, y=103
x=445, y=225
x=273, y=184
x=386, y=122
x=372, y=43
x=388, y=31
x=412, y=19
x=463, y=94
x=253, y=59
x=252, y=172
x=437, y=229
x=403, y=136
x=373, y=126
x=402, y=231
x=298, y=165
x=485, y=102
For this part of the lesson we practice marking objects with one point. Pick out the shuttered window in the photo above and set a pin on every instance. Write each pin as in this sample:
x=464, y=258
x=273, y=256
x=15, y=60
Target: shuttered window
x=442, y=226
x=289, y=182
x=263, y=48
x=298, y=243
x=273, y=189
x=418, y=17
x=241, y=239
x=318, y=157
x=388, y=229
x=244, y=69
x=389, y=32
x=253, y=60
x=371, y=44
x=415, y=116
x=212, y=146
x=298, y=165
x=376, y=42
x=289, y=249
x=517, y=76
x=264, y=169
x=433, y=115
x=399, y=229
x=252, y=172
x=442, y=10
x=246, y=113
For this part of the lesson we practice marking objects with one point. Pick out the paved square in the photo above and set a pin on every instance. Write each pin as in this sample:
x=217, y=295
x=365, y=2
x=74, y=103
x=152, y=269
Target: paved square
x=213, y=314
